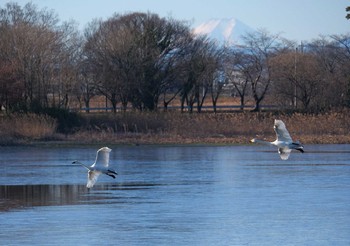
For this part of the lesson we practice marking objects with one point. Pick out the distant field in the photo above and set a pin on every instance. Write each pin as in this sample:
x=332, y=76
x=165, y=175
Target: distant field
x=224, y=103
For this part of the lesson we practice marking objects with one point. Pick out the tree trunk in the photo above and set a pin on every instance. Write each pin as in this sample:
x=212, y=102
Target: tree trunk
x=87, y=106
x=242, y=102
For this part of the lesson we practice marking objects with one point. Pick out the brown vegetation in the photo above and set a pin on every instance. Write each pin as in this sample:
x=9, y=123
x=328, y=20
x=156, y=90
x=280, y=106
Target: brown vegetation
x=179, y=128
x=223, y=128
x=19, y=128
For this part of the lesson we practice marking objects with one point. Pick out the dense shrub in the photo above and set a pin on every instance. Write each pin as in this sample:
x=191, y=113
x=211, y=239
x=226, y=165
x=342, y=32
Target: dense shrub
x=130, y=122
x=67, y=122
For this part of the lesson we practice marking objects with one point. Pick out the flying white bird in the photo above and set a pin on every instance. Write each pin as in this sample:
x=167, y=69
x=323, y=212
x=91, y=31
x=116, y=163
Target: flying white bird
x=100, y=166
x=283, y=141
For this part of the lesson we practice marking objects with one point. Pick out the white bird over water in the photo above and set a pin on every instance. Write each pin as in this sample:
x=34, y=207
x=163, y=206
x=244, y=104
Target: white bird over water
x=283, y=141
x=100, y=166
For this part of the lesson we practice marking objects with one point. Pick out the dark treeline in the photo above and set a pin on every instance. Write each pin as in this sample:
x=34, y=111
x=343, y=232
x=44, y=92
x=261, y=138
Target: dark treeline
x=143, y=61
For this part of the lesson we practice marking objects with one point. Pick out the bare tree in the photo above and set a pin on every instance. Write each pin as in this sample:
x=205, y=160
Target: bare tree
x=10, y=85
x=329, y=55
x=200, y=67
x=85, y=86
x=298, y=75
x=235, y=65
x=216, y=87
x=259, y=47
x=342, y=42
x=36, y=44
x=134, y=56
x=102, y=47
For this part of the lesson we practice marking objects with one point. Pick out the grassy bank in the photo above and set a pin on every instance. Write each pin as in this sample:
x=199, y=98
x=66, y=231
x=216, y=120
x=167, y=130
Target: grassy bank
x=23, y=128
x=177, y=128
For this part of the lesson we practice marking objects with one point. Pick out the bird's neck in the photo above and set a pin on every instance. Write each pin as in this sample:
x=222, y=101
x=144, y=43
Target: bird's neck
x=81, y=164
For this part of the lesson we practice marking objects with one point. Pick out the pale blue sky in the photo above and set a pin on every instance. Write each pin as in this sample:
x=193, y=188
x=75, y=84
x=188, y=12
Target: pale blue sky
x=297, y=20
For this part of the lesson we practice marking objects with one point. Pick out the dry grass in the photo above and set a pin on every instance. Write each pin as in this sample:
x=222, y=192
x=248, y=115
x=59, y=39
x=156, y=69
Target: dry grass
x=223, y=128
x=22, y=127
x=178, y=128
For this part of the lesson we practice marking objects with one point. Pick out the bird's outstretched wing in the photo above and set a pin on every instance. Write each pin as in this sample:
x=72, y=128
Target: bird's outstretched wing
x=102, y=157
x=284, y=153
x=281, y=131
x=92, y=178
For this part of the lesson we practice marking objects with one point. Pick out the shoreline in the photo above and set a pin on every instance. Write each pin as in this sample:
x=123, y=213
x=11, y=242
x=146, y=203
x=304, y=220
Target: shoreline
x=156, y=139
x=175, y=128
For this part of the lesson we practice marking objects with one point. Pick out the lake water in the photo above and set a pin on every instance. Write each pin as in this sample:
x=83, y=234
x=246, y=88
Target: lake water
x=176, y=195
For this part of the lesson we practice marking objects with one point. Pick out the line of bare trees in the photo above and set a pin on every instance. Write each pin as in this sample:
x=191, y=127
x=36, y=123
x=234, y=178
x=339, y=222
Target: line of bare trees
x=143, y=61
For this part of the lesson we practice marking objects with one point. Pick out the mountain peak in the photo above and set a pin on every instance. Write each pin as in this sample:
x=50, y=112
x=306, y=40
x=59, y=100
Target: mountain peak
x=223, y=30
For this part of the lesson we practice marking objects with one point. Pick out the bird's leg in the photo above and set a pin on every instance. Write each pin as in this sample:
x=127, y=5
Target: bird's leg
x=111, y=175
x=112, y=171
x=300, y=149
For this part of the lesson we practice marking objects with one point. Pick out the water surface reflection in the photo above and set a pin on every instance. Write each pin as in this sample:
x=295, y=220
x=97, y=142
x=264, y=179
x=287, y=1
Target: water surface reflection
x=178, y=195
x=25, y=196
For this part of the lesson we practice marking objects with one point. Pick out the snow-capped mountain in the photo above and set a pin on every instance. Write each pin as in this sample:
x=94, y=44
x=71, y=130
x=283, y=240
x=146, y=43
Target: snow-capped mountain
x=223, y=30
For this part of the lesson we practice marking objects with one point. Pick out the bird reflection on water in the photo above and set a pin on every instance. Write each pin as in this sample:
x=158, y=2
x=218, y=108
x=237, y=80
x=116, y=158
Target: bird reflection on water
x=26, y=196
